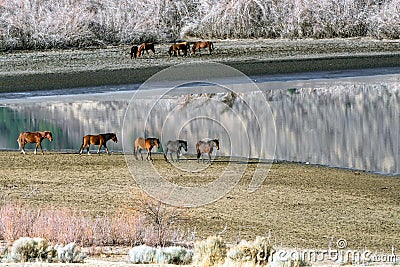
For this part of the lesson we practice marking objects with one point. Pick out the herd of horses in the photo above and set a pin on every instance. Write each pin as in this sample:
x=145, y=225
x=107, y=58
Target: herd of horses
x=174, y=50
x=204, y=146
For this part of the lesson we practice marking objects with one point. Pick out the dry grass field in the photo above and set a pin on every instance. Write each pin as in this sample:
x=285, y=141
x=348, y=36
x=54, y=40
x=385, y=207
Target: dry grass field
x=299, y=205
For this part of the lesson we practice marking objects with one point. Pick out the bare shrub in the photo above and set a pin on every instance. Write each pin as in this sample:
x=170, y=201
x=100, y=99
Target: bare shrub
x=64, y=226
x=160, y=219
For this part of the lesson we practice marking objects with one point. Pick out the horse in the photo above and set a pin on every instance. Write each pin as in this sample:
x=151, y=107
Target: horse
x=33, y=137
x=184, y=46
x=145, y=47
x=100, y=140
x=202, y=44
x=206, y=146
x=134, y=50
x=145, y=143
x=175, y=146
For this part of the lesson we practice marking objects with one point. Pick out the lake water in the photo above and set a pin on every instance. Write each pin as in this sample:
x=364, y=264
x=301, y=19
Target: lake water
x=346, y=119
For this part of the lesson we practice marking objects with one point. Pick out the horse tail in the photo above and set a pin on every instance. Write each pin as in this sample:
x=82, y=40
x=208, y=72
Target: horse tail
x=135, y=149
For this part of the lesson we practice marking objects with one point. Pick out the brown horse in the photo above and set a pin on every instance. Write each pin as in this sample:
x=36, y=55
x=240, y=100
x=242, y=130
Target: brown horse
x=206, y=146
x=202, y=44
x=100, y=140
x=33, y=137
x=145, y=143
x=145, y=47
x=173, y=49
x=134, y=50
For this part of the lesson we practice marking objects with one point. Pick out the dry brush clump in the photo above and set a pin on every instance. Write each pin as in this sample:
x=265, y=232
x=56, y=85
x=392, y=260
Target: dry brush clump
x=210, y=252
x=162, y=255
x=26, y=249
x=251, y=253
x=38, y=24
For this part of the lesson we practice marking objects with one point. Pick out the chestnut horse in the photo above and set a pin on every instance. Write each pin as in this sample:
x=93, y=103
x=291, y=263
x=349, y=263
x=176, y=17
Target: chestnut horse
x=206, y=146
x=184, y=46
x=145, y=143
x=100, y=140
x=134, y=50
x=202, y=44
x=33, y=137
x=145, y=47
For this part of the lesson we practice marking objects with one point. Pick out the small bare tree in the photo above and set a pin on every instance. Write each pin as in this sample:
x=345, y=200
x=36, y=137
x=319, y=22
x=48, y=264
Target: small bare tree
x=159, y=216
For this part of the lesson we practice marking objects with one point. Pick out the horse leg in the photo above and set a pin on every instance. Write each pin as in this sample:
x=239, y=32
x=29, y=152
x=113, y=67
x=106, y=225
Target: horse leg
x=41, y=150
x=140, y=152
x=198, y=156
x=22, y=145
x=81, y=149
x=166, y=155
x=37, y=145
x=209, y=158
x=106, y=149
x=177, y=155
x=149, y=154
x=88, y=149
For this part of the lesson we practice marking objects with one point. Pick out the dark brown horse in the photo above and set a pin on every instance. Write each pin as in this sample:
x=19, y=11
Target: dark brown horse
x=176, y=48
x=145, y=47
x=134, y=50
x=206, y=146
x=100, y=140
x=202, y=44
x=145, y=143
x=33, y=137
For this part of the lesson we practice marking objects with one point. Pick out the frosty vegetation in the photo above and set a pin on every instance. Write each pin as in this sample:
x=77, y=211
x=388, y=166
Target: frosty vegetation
x=27, y=249
x=43, y=24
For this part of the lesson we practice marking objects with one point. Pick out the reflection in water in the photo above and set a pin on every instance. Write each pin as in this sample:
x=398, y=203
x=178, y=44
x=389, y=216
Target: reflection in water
x=339, y=123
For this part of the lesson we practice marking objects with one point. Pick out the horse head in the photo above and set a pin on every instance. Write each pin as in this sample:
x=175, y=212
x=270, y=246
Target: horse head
x=48, y=135
x=216, y=142
x=156, y=142
x=184, y=145
x=114, y=138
